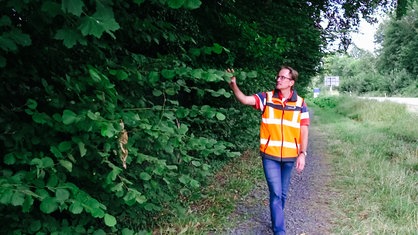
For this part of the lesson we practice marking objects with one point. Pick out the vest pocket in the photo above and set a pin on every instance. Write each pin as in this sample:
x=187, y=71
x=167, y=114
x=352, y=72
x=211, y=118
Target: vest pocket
x=267, y=144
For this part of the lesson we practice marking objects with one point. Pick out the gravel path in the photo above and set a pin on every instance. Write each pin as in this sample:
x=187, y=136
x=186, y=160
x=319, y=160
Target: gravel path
x=307, y=208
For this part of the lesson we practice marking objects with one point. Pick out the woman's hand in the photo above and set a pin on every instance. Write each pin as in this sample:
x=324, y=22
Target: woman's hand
x=233, y=81
x=300, y=162
x=244, y=99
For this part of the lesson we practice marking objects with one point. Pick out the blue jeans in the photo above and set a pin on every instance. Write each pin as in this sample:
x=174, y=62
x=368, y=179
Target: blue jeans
x=278, y=179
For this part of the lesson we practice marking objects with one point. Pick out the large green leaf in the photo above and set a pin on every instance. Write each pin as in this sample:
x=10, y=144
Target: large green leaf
x=169, y=74
x=99, y=232
x=41, y=118
x=120, y=74
x=18, y=198
x=157, y=92
x=108, y=129
x=197, y=73
x=133, y=196
x=145, y=176
x=100, y=22
x=170, y=91
x=74, y=7
x=127, y=231
x=192, y=4
x=70, y=37
x=153, y=77
x=76, y=207
x=48, y=205
x=184, y=179
x=69, y=117
x=82, y=149
x=175, y=4
x=194, y=51
x=62, y=195
x=252, y=74
x=66, y=164
x=194, y=183
x=90, y=205
x=113, y=174
x=220, y=116
x=90, y=26
x=47, y=162
x=6, y=195
x=95, y=74
x=32, y=104
x=52, y=181
x=109, y=220
x=93, y=116
x=64, y=146
x=42, y=193
x=9, y=159
x=42, y=163
x=210, y=77
x=129, y=198
x=27, y=205
x=217, y=48
x=57, y=153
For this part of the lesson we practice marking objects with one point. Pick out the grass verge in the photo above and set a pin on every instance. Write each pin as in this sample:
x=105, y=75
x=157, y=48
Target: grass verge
x=375, y=149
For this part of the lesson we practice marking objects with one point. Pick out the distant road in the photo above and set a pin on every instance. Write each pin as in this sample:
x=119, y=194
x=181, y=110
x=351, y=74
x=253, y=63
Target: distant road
x=411, y=103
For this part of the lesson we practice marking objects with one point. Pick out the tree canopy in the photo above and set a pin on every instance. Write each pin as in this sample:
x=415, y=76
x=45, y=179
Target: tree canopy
x=391, y=70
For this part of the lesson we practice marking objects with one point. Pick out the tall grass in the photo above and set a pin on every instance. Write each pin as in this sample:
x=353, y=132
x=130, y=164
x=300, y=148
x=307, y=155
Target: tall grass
x=375, y=149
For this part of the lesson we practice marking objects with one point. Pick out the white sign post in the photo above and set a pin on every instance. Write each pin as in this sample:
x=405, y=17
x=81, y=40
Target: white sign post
x=331, y=81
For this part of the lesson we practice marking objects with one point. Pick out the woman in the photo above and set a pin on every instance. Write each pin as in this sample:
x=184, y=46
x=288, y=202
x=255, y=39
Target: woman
x=283, y=137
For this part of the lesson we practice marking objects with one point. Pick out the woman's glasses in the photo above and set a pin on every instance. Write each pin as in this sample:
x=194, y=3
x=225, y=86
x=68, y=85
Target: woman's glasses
x=282, y=78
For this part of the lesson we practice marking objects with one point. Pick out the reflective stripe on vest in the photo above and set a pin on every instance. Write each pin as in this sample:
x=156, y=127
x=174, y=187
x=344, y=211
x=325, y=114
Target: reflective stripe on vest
x=280, y=127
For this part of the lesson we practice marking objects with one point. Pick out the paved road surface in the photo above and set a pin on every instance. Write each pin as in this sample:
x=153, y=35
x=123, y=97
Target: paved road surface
x=411, y=103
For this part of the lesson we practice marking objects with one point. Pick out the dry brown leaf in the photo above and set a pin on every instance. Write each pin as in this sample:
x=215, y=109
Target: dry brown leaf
x=123, y=140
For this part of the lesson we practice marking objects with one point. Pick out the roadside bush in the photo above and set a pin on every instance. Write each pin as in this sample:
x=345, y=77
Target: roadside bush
x=327, y=102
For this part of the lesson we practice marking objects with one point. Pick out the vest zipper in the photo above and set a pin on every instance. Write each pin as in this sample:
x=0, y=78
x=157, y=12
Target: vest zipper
x=282, y=129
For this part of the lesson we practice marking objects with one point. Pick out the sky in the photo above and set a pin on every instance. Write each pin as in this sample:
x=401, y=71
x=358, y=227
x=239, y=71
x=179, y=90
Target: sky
x=365, y=37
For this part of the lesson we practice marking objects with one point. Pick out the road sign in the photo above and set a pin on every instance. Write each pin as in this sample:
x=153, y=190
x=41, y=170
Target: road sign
x=332, y=80
x=315, y=92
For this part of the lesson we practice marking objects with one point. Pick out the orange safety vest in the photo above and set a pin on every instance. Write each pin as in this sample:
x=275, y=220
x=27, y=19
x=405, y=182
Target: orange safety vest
x=280, y=127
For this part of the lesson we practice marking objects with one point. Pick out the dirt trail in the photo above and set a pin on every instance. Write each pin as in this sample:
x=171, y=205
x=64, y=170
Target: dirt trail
x=307, y=208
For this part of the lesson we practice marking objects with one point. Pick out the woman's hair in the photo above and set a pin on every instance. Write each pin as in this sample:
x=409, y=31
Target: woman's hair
x=292, y=72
